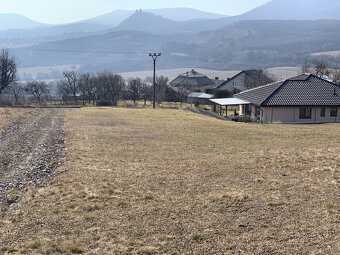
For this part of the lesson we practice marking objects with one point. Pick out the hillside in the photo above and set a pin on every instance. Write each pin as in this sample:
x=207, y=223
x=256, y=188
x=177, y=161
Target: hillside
x=236, y=46
x=295, y=10
x=273, y=10
x=49, y=33
x=184, y=14
x=111, y=19
x=242, y=44
x=16, y=21
x=147, y=22
x=114, y=18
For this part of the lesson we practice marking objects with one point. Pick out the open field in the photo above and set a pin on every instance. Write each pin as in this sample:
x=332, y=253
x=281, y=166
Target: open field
x=279, y=73
x=10, y=115
x=143, y=181
x=335, y=53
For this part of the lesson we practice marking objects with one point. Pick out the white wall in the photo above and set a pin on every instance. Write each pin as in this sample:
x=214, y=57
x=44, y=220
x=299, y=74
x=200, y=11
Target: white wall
x=237, y=83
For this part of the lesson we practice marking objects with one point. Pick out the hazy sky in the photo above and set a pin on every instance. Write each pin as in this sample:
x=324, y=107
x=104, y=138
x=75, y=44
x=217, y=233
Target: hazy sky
x=62, y=11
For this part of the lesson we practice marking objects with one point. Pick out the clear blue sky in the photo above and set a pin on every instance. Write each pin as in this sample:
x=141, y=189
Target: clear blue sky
x=62, y=11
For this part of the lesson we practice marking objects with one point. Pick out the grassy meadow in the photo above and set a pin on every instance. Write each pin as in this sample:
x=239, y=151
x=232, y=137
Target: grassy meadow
x=143, y=181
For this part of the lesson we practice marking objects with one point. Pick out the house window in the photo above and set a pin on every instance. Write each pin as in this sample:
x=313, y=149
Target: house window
x=323, y=112
x=305, y=113
x=334, y=112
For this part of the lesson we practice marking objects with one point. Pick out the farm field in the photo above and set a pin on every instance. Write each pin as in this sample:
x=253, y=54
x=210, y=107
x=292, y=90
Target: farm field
x=10, y=115
x=143, y=181
x=279, y=73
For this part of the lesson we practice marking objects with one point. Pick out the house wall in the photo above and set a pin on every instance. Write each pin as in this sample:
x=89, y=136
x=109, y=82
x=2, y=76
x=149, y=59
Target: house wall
x=291, y=115
x=238, y=83
x=201, y=88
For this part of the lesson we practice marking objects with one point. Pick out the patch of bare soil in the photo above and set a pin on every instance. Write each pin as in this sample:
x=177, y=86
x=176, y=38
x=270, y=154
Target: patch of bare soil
x=29, y=151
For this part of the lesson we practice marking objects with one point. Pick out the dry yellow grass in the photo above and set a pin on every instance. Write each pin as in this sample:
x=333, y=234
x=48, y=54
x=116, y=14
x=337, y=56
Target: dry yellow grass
x=173, y=182
x=10, y=115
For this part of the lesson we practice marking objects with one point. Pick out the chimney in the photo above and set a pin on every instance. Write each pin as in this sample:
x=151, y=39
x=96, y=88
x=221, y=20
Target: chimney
x=216, y=78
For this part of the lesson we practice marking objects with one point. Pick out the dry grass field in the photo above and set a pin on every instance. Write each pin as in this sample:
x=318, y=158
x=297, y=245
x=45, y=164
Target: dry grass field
x=10, y=115
x=143, y=181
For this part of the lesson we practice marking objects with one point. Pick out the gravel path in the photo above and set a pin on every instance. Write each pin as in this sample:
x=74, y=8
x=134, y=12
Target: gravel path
x=30, y=150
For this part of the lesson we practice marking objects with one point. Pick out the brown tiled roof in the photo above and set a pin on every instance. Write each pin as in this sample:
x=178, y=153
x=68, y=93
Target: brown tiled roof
x=303, y=90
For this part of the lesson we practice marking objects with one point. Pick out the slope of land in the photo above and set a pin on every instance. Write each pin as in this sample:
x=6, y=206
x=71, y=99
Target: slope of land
x=173, y=182
x=16, y=21
x=238, y=46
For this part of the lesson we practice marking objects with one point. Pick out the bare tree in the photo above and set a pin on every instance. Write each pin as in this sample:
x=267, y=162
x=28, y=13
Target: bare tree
x=8, y=70
x=39, y=90
x=16, y=89
x=109, y=87
x=91, y=89
x=134, y=88
x=161, y=84
x=336, y=75
x=83, y=84
x=257, y=79
x=146, y=92
x=321, y=68
x=182, y=93
x=306, y=68
x=68, y=87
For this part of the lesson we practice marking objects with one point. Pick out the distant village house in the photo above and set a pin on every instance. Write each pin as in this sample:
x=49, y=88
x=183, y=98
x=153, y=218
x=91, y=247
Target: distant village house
x=193, y=81
x=244, y=80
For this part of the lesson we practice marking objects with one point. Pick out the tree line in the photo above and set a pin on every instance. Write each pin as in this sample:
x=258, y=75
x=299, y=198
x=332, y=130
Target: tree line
x=321, y=68
x=102, y=89
x=106, y=88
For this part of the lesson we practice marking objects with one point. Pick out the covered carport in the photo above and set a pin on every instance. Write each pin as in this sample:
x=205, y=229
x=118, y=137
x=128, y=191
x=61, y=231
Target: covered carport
x=221, y=104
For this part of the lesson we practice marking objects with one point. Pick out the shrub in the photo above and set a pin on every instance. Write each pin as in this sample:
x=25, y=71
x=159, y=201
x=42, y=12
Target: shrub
x=103, y=103
x=245, y=119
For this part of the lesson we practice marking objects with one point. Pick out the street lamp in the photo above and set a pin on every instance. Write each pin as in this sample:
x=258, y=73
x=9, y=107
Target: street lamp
x=154, y=57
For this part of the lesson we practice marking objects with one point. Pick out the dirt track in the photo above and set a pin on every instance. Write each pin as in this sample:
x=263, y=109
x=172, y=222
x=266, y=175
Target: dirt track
x=29, y=151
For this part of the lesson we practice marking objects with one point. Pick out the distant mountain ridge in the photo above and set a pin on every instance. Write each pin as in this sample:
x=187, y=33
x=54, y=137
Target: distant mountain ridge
x=184, y=14
x=239, y=46
x=273, y=10
x=16, y=21
x=114, y=18
x=146, y=22
x=295, y=10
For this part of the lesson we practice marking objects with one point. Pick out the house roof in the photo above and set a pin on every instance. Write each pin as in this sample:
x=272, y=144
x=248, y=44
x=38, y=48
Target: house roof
x=200, y=95
x=218, y=83
x=302, y=90
x=229, y=101
x=254, y=73
x=192, y=78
